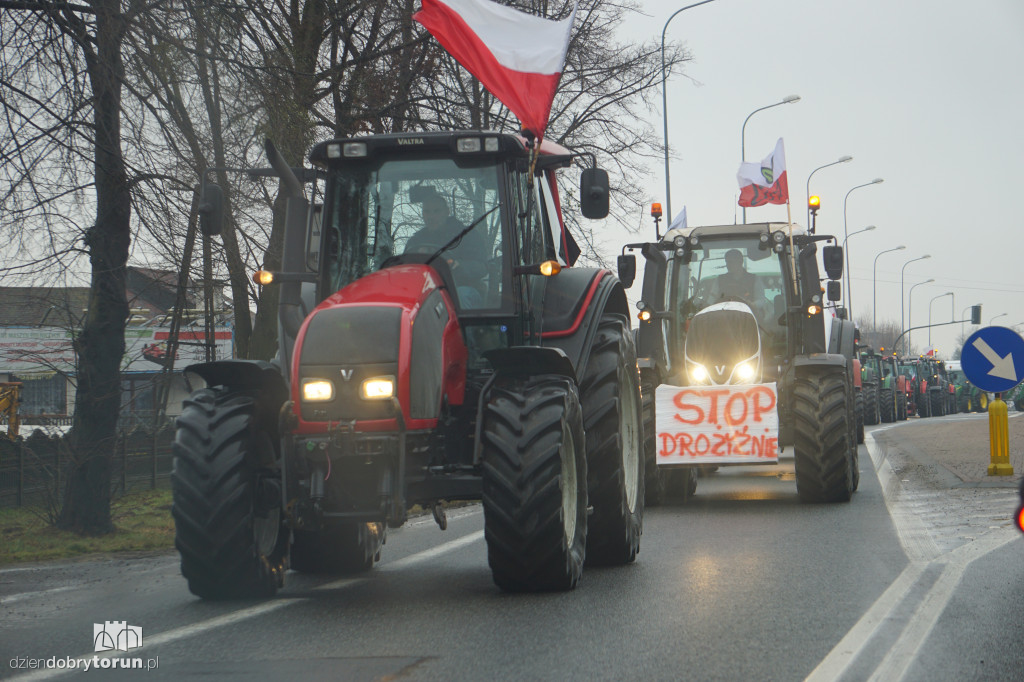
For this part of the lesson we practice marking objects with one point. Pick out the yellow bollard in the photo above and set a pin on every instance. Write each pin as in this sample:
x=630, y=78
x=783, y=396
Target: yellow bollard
x=999, y=438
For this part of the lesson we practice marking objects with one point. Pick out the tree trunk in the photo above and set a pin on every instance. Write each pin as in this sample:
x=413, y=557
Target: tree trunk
x=101, y=345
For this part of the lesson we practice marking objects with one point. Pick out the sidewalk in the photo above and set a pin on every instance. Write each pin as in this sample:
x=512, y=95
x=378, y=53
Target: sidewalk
x=960, y=444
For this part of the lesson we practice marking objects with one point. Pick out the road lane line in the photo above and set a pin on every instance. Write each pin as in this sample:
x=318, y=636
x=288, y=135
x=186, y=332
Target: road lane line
x=244, y=614
x=904, y=651
x=833, y=666
x=38, y=593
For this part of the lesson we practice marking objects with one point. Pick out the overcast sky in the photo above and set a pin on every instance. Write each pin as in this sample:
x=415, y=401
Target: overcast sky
x=926, y=94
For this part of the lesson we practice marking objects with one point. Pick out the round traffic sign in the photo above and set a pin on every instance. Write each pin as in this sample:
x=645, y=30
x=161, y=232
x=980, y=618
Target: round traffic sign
x=993, y=359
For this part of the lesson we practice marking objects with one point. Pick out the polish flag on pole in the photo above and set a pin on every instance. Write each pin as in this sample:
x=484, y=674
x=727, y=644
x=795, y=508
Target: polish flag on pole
x=518, y=57
x=765, y=182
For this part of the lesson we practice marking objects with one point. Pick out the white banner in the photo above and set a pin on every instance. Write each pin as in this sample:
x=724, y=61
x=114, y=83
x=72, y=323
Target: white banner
x=717, y=424
x=49, y=349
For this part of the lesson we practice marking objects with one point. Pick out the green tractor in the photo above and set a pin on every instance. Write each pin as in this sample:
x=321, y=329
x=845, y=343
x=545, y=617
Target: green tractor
x=969, y=398
x=1016, y=396
x=871, y=382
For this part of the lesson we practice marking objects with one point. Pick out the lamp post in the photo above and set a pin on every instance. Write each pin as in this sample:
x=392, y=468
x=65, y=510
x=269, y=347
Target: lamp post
x=948, y=293
x=788, y=99
x=910, y=312
x=874, y=287
x=846, y=272
x=876, y=181
x=842, y=159
x=903, y=326
x=664, y=103
x=996, y=318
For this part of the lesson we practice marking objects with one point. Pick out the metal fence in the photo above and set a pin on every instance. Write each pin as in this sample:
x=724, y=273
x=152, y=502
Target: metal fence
x=34, y=470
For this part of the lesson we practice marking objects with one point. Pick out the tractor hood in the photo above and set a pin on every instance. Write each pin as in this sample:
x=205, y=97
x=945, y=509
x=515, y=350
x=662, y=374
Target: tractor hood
x=723, y=345
x=391, y=335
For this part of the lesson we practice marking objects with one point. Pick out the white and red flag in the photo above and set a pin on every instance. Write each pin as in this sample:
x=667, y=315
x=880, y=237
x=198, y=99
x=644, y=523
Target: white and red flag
x=518, y=57
x=765, y=182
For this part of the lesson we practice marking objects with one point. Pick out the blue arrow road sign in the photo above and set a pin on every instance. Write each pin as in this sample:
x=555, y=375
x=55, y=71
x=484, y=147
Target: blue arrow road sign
x=993, y=359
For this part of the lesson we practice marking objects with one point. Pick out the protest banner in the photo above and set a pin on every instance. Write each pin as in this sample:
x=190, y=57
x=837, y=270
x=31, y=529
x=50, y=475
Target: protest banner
x=717, y=424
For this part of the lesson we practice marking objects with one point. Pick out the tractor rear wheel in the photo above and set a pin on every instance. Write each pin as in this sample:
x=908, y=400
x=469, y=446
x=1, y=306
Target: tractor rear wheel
x=226, y=487
x=888, y=406
x=610, y=396
x=936, y=404
x=534, y=484
x=654, y=478
x=344, y=549
x=824, y=466
x=871, y=411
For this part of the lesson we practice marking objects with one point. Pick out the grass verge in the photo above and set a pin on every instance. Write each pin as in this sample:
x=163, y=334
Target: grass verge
x=142, y=520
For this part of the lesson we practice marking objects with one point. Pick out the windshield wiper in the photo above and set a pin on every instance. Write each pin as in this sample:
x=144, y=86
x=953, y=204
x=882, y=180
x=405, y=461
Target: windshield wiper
x=457, y=238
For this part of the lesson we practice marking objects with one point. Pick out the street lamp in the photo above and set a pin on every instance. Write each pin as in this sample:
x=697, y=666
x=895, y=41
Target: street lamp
x=874, y=287
x=996, y=318
x=788, y=99
x=876, y=181
x=842, y=159
x=664, y=103
x=903, y=326
x=846, y=272
x=910, y=313
x=948, y=293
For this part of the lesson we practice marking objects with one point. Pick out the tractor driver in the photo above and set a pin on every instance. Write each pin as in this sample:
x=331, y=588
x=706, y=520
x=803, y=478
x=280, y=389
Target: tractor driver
x=465, y=257
x=737, y=283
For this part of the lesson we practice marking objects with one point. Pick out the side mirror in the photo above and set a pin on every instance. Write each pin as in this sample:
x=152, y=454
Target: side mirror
x=594, y=193
x=211, y=209
x=976, y=314
x=627, y=269
x=832, y=258
x=834, y=291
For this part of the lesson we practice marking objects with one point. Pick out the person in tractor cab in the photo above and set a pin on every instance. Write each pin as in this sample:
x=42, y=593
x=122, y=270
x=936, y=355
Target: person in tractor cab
x=465, y=257
x=738, y=284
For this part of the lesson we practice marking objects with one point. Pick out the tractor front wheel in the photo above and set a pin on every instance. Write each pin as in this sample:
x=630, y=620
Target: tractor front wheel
x=226, y=487
x=534, y=484
x=822, y=453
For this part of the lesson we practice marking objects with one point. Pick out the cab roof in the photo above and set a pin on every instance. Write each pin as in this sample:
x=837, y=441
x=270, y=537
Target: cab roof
x=552, y=153
x=753, y=230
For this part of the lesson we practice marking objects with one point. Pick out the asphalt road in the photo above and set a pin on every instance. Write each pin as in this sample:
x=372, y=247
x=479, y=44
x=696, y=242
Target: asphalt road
x=911, y=580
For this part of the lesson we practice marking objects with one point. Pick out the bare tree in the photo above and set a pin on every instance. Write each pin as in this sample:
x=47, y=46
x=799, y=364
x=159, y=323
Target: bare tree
x=84, y=121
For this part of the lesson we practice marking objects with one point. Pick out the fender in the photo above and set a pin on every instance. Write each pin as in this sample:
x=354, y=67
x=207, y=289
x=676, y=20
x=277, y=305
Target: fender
x=575, y=300
x=261, y=379
x=821, y=360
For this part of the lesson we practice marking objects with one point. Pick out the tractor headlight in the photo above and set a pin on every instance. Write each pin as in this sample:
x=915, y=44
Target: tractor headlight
x=698, y=374
x=317, y=390
x=378, y=388
x=745, y=371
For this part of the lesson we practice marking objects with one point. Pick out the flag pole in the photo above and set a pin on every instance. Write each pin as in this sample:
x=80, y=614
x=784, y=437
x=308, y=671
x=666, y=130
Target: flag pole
x=792, y=253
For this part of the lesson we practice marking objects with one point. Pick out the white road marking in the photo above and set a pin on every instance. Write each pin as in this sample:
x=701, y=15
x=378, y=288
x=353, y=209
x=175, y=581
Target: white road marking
x=39, y=593
x=247, y=613
x=923, y=553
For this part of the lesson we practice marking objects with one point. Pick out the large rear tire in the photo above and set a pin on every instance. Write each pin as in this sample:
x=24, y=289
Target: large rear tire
x=345, y=549
x=654, y=477
x=822, y=452
x=610, y=396
x=936, y=404
x=888, y=406
x=534, y=485
x=872, y=414
x=226, y=487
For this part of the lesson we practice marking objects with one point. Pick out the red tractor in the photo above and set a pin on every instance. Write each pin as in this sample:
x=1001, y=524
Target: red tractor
x=434, y=345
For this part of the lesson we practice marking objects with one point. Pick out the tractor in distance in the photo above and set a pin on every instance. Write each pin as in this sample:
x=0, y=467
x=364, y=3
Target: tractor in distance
x=434, y=345
x=871, y=380
x=771, y=335
x=917, y=386
x=969, y=398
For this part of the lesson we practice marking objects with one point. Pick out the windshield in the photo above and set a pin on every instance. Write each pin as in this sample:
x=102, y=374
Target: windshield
x=734, y=270
x=394, y=207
